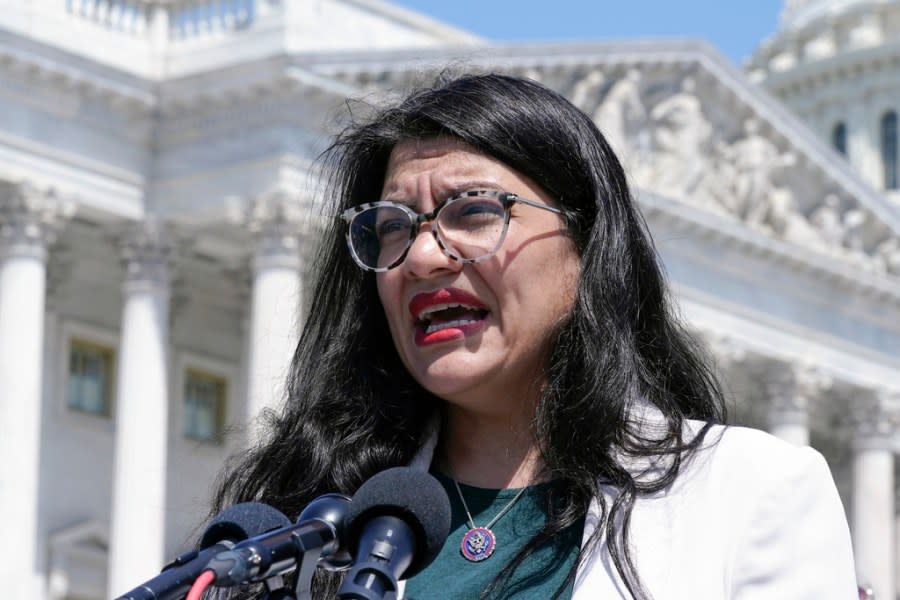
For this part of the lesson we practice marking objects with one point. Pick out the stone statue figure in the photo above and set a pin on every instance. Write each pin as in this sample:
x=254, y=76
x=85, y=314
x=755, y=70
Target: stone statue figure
x=621, y=115
x=854, y=221
x=826, y=218
x=887, y=256
x=586, y=91
x=785, y=221
x=681, y=134
x=840, y=232
x=754, y=160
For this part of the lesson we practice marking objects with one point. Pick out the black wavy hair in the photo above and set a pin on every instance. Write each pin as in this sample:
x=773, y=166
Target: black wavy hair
x=352, y=409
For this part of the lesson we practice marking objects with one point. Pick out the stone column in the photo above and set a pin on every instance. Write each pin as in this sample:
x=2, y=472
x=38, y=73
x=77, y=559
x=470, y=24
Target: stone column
x=28, y=223
x=275, y=298
x=873, y=519
x=137, y=533
x=791, y=392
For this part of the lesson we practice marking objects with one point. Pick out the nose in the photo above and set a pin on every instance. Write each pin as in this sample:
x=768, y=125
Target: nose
x=425, y=257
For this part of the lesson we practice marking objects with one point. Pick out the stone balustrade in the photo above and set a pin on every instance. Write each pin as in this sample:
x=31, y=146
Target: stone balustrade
x=180, y=20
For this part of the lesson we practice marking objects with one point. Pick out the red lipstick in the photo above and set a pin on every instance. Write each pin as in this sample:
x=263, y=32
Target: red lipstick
x=446, y=314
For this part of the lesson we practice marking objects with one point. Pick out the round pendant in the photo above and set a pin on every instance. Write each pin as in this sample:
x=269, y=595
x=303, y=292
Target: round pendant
x=478, y=544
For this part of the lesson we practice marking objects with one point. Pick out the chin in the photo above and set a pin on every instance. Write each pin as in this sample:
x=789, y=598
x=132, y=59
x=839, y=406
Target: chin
x=452, y=371
x=443, y=385
x=448, y=383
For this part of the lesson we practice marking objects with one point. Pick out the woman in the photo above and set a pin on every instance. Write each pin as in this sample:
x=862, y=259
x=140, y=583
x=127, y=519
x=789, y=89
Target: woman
x=491, y=308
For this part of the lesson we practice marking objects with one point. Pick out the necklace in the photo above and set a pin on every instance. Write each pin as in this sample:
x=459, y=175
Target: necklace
x=478, y=543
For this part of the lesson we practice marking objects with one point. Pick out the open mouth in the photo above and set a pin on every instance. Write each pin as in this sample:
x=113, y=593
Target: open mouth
x=449, y=316
x=446, y=314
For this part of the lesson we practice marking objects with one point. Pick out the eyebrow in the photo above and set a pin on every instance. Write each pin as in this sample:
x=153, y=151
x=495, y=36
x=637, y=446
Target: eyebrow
x=468, y=185
x=458, y=188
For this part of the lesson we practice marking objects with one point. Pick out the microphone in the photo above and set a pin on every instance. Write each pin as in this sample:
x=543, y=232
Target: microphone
x=314, y=540
x=234, y=524
x=398, y=522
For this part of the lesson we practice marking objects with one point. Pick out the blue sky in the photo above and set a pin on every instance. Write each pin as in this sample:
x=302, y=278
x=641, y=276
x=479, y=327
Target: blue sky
x=735, y=27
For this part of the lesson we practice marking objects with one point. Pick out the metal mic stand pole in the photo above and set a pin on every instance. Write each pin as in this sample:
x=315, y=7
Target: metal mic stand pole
x=310, y=548
x=276, y=590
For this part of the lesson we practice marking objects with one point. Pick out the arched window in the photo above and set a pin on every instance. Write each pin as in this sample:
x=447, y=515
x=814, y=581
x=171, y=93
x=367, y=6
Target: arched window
x=889, y=150
x=839, y=137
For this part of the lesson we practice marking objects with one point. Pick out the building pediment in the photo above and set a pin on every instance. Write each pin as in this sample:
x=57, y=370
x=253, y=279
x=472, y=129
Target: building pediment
x=697, y=138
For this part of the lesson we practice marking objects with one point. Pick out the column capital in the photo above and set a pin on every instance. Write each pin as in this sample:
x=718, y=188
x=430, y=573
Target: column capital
x=726, y=350
x=275, y=220
x=30, y=218
x=146, y=248
x=791, y=389
x=876, y=419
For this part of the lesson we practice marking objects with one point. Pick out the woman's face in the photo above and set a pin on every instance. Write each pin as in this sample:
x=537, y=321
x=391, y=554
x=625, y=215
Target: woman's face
x=488, y=353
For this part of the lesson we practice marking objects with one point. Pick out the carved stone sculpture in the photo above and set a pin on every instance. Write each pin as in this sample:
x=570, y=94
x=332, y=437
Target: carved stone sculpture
x=785, y=221
x=827, y=220
x=755, y=160
x=887, y=256
x=586, y=91
x=622, y=115
x=681, y=133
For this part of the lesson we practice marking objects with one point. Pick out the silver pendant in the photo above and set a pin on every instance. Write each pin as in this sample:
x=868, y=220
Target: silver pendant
x=478, y=544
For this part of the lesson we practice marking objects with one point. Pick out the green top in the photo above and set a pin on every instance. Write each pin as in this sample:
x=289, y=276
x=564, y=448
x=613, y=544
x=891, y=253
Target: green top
x=452, y=576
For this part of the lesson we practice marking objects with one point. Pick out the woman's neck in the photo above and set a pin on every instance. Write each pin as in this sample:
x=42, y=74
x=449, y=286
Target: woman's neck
x=488, y=450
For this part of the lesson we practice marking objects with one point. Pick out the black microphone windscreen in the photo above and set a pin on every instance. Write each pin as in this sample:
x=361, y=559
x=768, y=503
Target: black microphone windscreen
x=234, y=524
x=413, y=496
x=241, y=521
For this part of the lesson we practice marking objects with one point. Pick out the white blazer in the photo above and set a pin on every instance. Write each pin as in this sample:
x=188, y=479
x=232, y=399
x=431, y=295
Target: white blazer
x=750, y=517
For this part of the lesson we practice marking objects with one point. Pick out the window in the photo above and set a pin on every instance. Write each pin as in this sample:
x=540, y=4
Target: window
x=204, y=406
x=839, y=137
x=89, y=386
x=889, y=150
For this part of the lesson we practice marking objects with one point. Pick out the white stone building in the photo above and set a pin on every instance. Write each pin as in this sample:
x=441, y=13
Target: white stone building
x=157, y=186
x=836, y=64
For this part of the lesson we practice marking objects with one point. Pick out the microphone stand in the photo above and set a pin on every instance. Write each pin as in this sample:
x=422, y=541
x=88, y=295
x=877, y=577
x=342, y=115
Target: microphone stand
x=309, y=548
x=307, y=544
x=277, y=590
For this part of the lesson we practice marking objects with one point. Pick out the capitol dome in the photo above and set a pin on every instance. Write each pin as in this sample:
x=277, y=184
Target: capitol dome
x=836, y=64
x=797, y=13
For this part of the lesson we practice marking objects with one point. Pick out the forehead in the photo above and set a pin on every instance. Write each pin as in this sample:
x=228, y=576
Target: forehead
x=443, y=158
x=428, y=148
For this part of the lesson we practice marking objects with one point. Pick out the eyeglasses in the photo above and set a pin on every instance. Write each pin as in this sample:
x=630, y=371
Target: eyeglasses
x=469, y=227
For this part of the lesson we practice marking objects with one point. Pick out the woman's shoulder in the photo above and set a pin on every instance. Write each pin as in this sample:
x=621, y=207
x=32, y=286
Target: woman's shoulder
x=749, y=447
x=740, y=442
x=739, y=458
x=772, y=509
x=747, y=514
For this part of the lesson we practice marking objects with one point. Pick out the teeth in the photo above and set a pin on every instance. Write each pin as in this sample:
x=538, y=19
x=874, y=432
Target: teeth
x=439, y=307
x=432, y=327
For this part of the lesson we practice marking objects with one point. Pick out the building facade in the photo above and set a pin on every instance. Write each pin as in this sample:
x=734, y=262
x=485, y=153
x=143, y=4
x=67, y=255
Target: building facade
x=158, y=210
x=836, y=64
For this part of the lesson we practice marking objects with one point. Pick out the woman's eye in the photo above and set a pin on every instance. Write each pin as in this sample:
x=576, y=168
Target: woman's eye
x=480, y=207
x=391, y=228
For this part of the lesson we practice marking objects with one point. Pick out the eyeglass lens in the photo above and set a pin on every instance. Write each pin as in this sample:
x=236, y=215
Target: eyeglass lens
x=468, y=228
